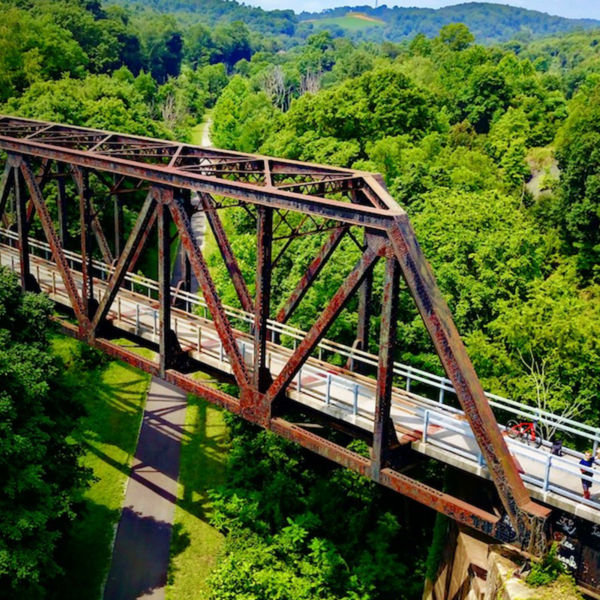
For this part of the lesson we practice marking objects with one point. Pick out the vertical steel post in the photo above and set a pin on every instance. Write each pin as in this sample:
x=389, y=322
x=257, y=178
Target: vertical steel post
x=85, y=221
x=164, y=286
x=262, y=377
x=23, y=231
x=186, y=267
x=384, y=434
x=365, y=293
x=118, y=224
x=61, y=204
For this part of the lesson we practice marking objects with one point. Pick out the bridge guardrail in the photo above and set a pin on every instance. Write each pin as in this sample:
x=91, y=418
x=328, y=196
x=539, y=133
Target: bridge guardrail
x=441, y=385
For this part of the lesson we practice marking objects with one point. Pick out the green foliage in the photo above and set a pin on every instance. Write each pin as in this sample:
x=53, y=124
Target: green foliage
x=578, y=153
x=41, y=478
x=285, y=539
x=547, y=570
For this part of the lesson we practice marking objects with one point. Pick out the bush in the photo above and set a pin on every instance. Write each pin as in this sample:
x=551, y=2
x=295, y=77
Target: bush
x=547, y=570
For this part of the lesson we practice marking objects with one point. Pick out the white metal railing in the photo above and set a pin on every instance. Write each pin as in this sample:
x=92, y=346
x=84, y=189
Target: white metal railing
x=316, y=380
x=441, y=386
x=553, y=472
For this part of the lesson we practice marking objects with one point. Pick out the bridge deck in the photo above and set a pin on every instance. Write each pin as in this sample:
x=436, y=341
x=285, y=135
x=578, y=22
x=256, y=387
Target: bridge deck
x=433, y=428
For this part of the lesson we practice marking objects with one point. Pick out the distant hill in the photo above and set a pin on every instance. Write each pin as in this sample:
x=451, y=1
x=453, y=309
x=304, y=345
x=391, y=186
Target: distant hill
x=488, y=22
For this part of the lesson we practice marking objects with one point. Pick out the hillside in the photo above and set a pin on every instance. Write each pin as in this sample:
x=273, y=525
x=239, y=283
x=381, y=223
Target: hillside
x=488, y=22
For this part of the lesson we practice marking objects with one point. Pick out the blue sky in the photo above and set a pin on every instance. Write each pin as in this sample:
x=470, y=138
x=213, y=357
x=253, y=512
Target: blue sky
x=565, y=8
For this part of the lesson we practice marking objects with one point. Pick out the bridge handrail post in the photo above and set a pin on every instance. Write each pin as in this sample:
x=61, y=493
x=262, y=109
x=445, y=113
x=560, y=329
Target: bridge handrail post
x=328, y=392
x=425, y=426
x=596, y=438
x=355, y=400
x=137, y=319
x=220, y=350
x=154, y=315
x=199, y=340
x=54, y=282
x=408, y=371
x=441, y=394
x=547, y=473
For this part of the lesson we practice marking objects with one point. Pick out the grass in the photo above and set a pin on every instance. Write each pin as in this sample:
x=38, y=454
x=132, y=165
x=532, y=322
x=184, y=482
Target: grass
x=114, y=395
x=350, y=21
x=195, y=545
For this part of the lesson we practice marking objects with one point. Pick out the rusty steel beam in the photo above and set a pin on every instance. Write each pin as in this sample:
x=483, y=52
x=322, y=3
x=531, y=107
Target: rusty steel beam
x=61, y=206
x=453, y=355
x=454, y=508
x=312, y=272
x=5, y=186
x=451, y=506
x=136, y=237
x=80, y=176
x=262, y=377
x=85, y=221
x=164, y=197
x=372, y=209
x=213, y=302
x=384, y=434
x=23, y=231
x=143, y=241
x=239, y=283
x=325, y=319
x=57, y=250
x=252, y=193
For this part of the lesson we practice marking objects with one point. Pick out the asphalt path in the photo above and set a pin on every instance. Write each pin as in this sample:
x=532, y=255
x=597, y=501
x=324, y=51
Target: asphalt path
x=141, y=551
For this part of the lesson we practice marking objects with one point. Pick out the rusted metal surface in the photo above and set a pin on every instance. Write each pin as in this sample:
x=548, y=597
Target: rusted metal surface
x=23, y=230
x=455, y=508
x=453, y=355
x=328, y=199
x=85, y=228
x=312, y=272
x=263, y=297
x=5, y=187
x=384, y=434
x=237, y=278
x=164, y=197
x=57, y=251
x=136, y=238
x=319, y=329
x=209, y=291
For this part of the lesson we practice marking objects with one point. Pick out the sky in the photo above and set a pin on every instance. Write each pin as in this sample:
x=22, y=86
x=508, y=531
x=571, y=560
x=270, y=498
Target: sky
x=564, y=8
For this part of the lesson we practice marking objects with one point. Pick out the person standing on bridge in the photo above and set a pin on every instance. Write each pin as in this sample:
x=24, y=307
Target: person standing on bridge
x=586, y=461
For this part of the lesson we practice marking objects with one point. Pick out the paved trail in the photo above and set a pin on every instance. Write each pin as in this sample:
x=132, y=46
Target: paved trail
x=141, y=551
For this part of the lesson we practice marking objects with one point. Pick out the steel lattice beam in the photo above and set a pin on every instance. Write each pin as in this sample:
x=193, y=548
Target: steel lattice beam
x=218, y=177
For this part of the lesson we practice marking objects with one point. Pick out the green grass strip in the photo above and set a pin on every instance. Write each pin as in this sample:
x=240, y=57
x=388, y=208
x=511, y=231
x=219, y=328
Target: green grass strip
x=195, y=545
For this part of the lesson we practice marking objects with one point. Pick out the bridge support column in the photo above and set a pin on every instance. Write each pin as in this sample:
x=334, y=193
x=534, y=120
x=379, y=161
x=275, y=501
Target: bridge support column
x=262, y=376
x=384, y=434
x=365, y=293
x=85, y=222
x=164, y=289
x=61, y=205
x=27, y=281
x=118, y=224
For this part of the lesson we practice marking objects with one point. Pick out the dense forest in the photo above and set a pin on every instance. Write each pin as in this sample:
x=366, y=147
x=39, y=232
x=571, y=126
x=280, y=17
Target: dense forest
x=494, y=151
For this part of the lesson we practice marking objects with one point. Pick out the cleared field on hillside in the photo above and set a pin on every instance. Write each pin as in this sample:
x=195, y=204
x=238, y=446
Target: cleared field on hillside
x=350, y=21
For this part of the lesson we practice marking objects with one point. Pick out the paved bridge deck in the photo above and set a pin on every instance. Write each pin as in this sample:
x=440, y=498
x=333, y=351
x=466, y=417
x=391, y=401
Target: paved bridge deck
x=432, y=426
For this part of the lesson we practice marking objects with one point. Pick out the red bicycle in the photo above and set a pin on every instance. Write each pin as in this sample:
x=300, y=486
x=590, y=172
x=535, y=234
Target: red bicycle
x=526, y=432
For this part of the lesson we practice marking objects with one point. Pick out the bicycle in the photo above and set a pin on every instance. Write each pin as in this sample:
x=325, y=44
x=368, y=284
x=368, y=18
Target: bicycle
x=526, y=432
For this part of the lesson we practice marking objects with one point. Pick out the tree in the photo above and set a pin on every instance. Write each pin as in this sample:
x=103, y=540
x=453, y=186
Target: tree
x=578, y=152
x=456, y=36
x=40, y=475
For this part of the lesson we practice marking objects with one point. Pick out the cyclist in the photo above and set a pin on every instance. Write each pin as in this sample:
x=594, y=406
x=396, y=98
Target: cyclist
x=586, y=461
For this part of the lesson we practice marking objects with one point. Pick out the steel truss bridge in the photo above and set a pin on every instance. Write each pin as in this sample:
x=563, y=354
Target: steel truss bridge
x=56, y=177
